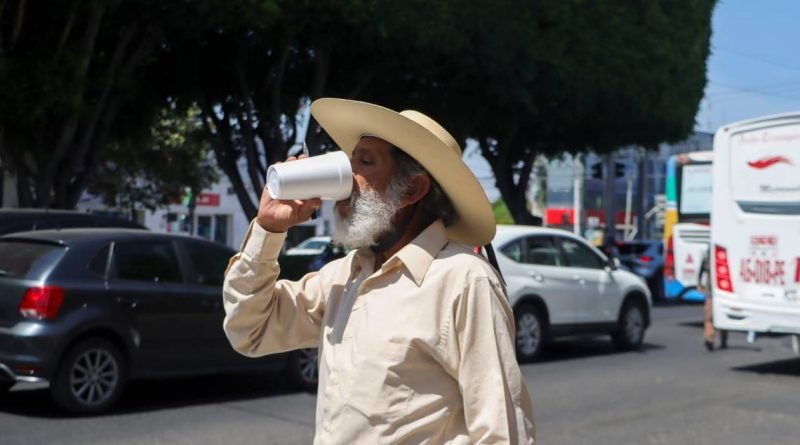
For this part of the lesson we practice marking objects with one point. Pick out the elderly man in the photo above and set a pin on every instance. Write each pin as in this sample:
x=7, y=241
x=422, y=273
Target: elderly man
x=414, y=331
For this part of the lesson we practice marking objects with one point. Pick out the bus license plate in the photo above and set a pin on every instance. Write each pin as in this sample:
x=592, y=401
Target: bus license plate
x=763, y=271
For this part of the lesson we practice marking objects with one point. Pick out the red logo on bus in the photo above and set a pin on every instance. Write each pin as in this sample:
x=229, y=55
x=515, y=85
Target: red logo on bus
x=769, y=162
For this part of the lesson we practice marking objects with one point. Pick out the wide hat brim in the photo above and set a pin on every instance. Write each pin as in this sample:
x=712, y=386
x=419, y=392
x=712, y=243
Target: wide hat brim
x=346, y=121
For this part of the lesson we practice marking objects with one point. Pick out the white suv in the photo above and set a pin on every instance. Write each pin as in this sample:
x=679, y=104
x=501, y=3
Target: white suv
x=560, y=285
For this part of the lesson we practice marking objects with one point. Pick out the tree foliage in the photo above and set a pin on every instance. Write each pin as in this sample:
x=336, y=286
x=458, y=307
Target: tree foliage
x=570, y=75
x=70, y=76
x=523, y=78
x=80, y=87
x=173, y=161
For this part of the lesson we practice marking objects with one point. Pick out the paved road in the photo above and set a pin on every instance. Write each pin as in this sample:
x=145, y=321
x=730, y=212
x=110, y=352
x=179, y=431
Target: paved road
x=672, y=392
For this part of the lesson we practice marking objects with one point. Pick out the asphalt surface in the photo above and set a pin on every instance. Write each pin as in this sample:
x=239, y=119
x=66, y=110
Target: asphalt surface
x=672, y=392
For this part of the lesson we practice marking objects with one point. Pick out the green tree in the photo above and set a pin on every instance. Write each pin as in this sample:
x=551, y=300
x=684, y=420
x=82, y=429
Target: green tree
x=79, y=79
x=69, y=73
x=173, y=161
x=251, y=76
x=569, y=75
x=523, y=78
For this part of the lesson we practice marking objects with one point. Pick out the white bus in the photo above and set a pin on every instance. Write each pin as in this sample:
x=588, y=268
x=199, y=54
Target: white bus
x=755, y=225
x=686, y=223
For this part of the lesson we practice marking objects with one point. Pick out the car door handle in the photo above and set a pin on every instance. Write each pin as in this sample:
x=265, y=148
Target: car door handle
x=579, y=279
x=536, y=276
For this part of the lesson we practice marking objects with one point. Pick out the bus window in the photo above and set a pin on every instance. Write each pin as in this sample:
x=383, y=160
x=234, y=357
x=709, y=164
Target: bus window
x=764, y=171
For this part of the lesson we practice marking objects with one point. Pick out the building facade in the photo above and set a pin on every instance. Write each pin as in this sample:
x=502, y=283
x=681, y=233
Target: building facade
x=639, y=181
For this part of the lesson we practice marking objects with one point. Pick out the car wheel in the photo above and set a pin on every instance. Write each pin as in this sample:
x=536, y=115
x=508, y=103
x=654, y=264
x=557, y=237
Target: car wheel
x=530, y=333
x=90, y=378
x=630, y=332
x=303, y=368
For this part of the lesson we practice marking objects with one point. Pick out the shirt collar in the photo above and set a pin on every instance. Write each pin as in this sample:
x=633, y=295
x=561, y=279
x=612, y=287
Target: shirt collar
x=363, y=259
x=418, y=255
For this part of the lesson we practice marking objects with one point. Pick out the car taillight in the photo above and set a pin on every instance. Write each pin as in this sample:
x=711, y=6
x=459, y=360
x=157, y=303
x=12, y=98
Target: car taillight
x=41, y=302
x=721, y=269
x=645, y=258
x=669, y=260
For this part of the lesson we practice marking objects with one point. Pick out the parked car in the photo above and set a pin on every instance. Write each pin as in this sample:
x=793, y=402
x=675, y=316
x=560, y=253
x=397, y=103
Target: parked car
x=560, y=285
x=646, y=259
x=293, y=267
x=311, y=246
x=87, y=310
x=24, y=220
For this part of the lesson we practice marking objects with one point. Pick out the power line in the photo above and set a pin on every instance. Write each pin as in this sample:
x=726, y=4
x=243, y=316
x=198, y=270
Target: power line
x=773, y=88
x=758, y=58
x=755, y=93
x=752, y=91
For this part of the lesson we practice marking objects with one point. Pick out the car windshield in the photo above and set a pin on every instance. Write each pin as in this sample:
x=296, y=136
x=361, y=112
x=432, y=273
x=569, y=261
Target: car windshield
x=25, y=259
x=313, y=244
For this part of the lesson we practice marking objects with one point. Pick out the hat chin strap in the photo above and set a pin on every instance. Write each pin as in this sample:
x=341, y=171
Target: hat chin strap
x=387, y=241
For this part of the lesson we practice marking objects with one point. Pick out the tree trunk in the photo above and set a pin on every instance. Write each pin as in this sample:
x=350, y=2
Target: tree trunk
x=225, y=153
x=513, y=193
x=24, y=196
x=521, y=212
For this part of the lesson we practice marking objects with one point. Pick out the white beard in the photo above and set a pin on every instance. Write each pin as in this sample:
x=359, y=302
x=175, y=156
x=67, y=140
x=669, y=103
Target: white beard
x=371, y=215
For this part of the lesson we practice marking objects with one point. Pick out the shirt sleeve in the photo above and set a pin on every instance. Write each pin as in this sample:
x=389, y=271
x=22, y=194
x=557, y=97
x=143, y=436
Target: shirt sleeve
x=497, y=406
x=264, y=315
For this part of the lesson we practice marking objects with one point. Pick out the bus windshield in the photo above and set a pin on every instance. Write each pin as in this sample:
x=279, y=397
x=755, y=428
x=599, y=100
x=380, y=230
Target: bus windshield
x=688, y=189
x=694, y=199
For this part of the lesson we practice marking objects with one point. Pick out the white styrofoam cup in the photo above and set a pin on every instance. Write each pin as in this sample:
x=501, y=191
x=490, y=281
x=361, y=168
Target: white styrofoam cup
x=328, y=176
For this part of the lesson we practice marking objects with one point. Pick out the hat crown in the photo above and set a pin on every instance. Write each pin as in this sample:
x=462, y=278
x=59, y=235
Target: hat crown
x=434, y=128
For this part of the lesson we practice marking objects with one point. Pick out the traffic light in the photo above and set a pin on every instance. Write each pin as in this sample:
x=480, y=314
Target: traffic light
x=619, y=169
x=597, y=170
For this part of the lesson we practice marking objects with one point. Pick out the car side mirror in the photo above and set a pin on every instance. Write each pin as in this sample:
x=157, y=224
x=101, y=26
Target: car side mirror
x=613, y=264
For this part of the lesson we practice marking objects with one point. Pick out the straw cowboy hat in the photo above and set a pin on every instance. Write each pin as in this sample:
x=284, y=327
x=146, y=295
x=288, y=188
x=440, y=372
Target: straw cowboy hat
x=346, y=121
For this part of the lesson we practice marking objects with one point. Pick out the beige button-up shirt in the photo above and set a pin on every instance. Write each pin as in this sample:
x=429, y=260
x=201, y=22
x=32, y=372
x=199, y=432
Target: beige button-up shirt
x=417, y=352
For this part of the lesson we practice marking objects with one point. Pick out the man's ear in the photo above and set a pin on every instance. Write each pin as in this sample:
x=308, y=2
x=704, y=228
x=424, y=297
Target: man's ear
x=420, y=186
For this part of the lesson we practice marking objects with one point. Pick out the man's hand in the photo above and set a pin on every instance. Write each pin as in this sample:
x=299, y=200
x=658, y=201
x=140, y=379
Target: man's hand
x=278, y=215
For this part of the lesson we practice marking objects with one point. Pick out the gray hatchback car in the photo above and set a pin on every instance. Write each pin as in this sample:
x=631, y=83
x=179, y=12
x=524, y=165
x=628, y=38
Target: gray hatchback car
x=85, y=310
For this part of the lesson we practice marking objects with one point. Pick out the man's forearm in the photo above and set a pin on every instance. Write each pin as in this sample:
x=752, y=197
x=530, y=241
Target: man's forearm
x=248, y=291
x=263, y=314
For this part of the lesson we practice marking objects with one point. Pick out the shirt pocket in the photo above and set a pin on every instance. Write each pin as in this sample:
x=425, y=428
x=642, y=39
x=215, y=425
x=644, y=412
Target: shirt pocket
x=377, y=390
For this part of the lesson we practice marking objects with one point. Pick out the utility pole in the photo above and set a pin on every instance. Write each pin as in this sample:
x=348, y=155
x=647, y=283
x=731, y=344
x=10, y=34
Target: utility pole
x=641, y=221
x=610, y=198
x=577, y=193
x=628, y=196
